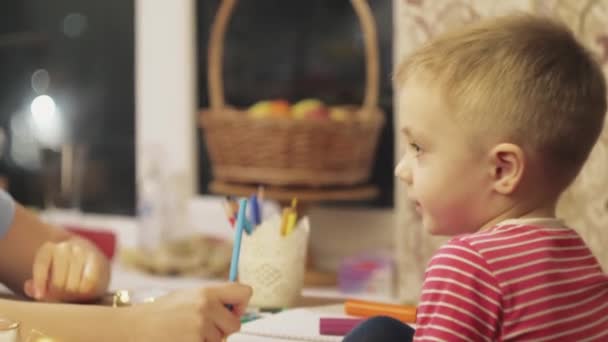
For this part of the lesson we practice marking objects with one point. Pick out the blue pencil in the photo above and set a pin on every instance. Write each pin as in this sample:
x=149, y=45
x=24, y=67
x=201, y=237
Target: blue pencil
x=236, y=248
x=254, y=210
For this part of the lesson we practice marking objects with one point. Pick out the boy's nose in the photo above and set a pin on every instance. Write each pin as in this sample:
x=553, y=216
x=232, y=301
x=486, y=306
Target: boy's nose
x=403, y=171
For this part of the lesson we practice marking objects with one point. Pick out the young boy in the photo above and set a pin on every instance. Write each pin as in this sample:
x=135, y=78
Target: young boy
x=499, y=117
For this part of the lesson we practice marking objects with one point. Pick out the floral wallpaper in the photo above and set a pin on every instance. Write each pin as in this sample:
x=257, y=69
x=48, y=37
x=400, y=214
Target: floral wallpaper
x=585, y=205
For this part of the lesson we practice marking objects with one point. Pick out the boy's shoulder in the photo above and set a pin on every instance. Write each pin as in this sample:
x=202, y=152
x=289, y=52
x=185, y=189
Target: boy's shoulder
x=457, y=249
x=507, y=239
x=516, y=231
x=460, y=262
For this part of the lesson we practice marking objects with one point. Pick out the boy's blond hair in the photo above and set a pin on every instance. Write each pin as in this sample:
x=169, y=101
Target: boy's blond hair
x=522, y=78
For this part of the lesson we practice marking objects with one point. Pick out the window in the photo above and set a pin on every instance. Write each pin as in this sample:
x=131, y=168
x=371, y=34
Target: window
x=300, y=49
x=86, y=50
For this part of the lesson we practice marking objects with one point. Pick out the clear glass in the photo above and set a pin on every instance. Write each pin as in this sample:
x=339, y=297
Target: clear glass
x=9, y=330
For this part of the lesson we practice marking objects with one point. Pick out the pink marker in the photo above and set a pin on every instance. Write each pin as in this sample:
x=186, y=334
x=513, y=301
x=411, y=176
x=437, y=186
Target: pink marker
x=338, y=326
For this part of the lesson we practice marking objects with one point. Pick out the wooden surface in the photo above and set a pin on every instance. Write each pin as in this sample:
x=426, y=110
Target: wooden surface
x=303, y=194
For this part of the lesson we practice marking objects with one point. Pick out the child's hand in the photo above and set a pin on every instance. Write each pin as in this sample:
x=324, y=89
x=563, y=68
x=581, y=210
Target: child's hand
x=69, y=271
x=191, y=315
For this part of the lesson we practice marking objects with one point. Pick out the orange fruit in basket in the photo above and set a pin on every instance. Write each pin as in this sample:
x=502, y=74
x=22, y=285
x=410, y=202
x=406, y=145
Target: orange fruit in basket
x=279, y=109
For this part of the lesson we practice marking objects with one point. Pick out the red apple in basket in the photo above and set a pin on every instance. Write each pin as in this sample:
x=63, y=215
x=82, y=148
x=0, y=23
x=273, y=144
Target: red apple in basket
x=320, y=113
x=308, y=108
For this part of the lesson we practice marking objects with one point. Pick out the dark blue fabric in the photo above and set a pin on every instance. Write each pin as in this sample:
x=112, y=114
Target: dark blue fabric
x=381, y=329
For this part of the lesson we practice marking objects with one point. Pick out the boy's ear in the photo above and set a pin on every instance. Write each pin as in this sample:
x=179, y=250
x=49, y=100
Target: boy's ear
x=507, y=163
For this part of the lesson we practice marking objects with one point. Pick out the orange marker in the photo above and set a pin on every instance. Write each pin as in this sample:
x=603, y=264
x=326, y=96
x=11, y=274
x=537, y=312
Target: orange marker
x=360, y=308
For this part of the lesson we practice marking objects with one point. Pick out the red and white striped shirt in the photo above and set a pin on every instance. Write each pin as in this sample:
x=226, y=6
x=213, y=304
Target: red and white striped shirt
x=521, y=280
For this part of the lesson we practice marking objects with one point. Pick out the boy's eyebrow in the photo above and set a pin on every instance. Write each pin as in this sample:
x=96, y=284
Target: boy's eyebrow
x=411, y=134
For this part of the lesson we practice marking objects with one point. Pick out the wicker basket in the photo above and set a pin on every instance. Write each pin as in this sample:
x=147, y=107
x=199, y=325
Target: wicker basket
x=287, y=152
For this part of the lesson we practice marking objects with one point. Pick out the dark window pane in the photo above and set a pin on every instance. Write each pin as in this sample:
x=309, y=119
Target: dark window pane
x=86, y=47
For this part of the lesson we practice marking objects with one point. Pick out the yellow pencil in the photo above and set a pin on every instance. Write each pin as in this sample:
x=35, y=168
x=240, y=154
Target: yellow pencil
x=294, y=204
x=284, y=219
x=292, y=217
x=291, y=222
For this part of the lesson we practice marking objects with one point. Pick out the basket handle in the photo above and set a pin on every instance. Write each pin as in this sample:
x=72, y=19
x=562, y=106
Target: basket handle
x=216, y=47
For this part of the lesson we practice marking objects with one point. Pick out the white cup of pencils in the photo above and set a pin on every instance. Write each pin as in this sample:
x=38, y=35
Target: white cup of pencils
x=273, y=260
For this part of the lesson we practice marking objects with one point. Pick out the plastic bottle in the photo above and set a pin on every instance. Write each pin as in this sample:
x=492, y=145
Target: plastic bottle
x=151, y=209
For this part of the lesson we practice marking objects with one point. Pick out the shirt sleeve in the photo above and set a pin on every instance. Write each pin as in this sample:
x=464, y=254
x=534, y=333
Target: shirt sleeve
x=7, y=212
x=461, y=298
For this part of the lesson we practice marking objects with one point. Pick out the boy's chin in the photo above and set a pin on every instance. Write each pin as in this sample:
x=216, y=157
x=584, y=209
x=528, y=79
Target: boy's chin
x=435, y=230
x=431, y=228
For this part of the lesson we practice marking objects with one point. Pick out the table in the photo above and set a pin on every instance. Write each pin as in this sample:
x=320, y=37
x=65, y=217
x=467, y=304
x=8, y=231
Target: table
x=124, y=278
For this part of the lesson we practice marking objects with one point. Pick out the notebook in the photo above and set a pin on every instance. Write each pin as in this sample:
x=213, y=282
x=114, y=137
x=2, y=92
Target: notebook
x=300, y=324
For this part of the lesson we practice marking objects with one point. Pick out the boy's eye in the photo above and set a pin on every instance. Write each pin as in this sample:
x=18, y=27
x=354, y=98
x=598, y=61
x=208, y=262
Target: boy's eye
x=415, y=147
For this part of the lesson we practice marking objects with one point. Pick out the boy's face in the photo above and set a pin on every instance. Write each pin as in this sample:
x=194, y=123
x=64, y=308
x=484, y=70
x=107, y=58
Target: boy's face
x=445, y=177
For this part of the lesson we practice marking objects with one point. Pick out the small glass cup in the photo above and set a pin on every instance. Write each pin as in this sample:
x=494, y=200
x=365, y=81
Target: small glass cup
x=9, y=330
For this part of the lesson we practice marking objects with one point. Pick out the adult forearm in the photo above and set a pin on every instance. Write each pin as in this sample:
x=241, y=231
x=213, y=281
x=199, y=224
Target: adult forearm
x=69, y=322
x=18, y=248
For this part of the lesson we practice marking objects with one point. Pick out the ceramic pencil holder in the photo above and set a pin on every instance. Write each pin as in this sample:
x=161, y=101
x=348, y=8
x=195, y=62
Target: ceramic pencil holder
x=274, y=264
